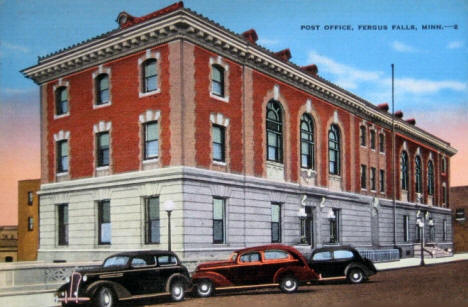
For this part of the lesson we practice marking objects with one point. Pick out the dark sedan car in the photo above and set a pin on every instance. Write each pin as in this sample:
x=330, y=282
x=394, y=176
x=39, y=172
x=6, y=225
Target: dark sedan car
x=126, y=276
x=341, y=261
x=269, y=265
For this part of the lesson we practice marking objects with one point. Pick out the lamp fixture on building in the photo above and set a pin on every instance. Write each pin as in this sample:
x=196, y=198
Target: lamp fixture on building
x=169, y=206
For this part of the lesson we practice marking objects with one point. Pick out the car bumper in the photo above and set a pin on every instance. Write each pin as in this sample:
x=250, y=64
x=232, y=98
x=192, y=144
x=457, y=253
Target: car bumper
x=71, y=299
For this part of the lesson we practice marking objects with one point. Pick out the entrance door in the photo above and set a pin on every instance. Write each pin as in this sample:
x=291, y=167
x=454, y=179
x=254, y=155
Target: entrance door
x=309, y=225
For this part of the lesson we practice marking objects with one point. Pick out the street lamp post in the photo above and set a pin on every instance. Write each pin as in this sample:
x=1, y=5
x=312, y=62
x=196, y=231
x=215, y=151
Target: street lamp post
x=421, y=217
x=169, y=207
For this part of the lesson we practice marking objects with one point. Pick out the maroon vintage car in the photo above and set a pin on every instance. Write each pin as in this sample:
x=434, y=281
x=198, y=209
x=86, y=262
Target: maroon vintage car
x=268, y=265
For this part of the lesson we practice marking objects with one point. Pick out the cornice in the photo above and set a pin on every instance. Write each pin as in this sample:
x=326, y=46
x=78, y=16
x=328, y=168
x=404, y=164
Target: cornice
x=185, y=24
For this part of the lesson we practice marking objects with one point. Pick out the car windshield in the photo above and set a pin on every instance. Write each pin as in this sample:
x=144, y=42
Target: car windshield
x=115, y=261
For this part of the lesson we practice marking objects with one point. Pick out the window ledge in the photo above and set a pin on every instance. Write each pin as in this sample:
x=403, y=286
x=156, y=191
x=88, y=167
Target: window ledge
x=382, y=153
x=61, y=174
x=102, y=105
x=61, y=115
x=333, y=176
x=364, y=146
x=373, y=191
x=373, y=149
x=363, y=190
x=273, y=163
x=221, y=163
x=146, y=94
x=102, y=168
x=223, y=99
x=150, y=161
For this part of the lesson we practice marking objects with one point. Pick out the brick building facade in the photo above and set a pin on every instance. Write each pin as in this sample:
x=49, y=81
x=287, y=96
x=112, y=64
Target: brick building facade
x=459, y=206
x=250, y=147
x=28, y=219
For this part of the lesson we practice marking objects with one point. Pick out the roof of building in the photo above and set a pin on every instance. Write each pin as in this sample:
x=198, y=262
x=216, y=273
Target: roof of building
x=249, y=37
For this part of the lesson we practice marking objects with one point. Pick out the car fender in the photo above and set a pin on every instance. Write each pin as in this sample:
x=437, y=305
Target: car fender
x=217, y=279
x=64, y=287
x=358, y=265
x=119, y=290
x=285, y=271
x=175, y=276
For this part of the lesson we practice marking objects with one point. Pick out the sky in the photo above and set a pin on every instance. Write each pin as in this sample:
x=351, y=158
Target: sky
x=353, y=44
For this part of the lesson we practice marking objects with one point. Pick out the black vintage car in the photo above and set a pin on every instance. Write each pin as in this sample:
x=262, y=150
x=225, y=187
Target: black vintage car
x=341, y=261
x=127, y=276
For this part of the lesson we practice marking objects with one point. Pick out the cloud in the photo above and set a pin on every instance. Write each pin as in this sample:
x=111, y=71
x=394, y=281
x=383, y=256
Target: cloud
x=422, y=86
x=14, y=47
x=268, y=42
x=402, y=47
x=455, y=45
x=17, y=91
x=346, y=76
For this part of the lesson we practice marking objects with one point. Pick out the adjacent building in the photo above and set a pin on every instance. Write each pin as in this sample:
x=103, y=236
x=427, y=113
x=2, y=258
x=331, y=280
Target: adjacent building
x=250, y=148
x=8, y=243
x=28, y=217
x=459, y=206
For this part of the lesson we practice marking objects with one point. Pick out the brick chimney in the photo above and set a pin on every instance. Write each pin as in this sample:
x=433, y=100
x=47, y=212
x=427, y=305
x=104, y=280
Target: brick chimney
x=251, y=36
x=310, y=69
x=399, y=114
x=383, y=106
x=284, y=55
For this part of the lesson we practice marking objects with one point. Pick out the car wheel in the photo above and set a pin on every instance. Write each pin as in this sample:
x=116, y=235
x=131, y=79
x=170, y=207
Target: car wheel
x=104, y=298
x=177, y=291
x=356, y=276
x=204, y=288
x=288, y=284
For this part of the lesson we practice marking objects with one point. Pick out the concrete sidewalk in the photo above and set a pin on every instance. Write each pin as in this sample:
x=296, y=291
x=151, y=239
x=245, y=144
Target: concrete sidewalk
x=412, y=262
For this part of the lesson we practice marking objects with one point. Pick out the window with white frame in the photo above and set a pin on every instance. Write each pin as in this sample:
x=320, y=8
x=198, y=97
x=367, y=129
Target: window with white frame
x=334, y=150
x=104, y=222
x=152, y=220
x=151, y=142
x=103, y=149
x=307, y=141
x=102, y=89
x=275, y=223
x=274, y=130
x=217, y=80
x=149, y=76
x=62, y=224
x=61, y=100
x=62, y=156
x=219, y=220
x=218, y=145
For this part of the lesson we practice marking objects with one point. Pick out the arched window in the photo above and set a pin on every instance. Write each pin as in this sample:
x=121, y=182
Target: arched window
x=102, y=89
x=217, y=80
x=274, y=127
x=404, y=171
x=307, y=141
x=430, y=178
x=150, y=76
x=61, y=100
x=334, y=149
x=418, y=173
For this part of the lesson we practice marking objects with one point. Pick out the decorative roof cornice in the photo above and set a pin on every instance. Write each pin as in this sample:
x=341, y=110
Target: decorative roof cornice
x=186, y=24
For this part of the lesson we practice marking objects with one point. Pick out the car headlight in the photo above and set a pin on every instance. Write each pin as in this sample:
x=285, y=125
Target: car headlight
x=85, y=278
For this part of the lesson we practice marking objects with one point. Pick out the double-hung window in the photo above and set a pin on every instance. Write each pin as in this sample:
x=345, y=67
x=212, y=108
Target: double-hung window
x=372, y=139
x=275, y=223
x=363, y=135
x=307, y=142
x=104, y=222
x=62, y=156
x=274, y=127
x=62, y=224
x=61, y=101
x=218, y=134
x=152, y=225
x=103, y=149
x=382, y=180
x=363, y=176
x=150, y=76
x=151, y=145
x=219, y=218
x=372, y=179
x=102, y=89
x=217, y=80
x=382, y=142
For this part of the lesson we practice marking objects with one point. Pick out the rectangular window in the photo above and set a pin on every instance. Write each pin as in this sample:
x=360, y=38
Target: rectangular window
x=62, y=224
x=150, y=76
x=152, y=228
x=444, y=230
x=61, y=101
x=103, y=149
x=372, y=179
x=218, y=143
x=444, y=195
x=62, y=156
x=151, y=140
x=30, y=198
x=334, y=226
x=30, y=223
x=104, y=222
x=372, y=139
x=418, y=233
x=275, y=223
x=382, y=142
x=219, y=218
x=382, y=181
x=405, y=228
x=363, y=135
x=363, y=176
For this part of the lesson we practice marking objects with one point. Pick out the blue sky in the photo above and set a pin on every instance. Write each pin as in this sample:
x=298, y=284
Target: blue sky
x=431, y=67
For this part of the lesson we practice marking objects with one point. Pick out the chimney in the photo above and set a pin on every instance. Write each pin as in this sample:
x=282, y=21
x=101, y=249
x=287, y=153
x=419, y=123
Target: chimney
x=251, y=36
x=383, y=106
x=284, y=55
x=311, y=69
x=399, y=114
x=411, y=121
